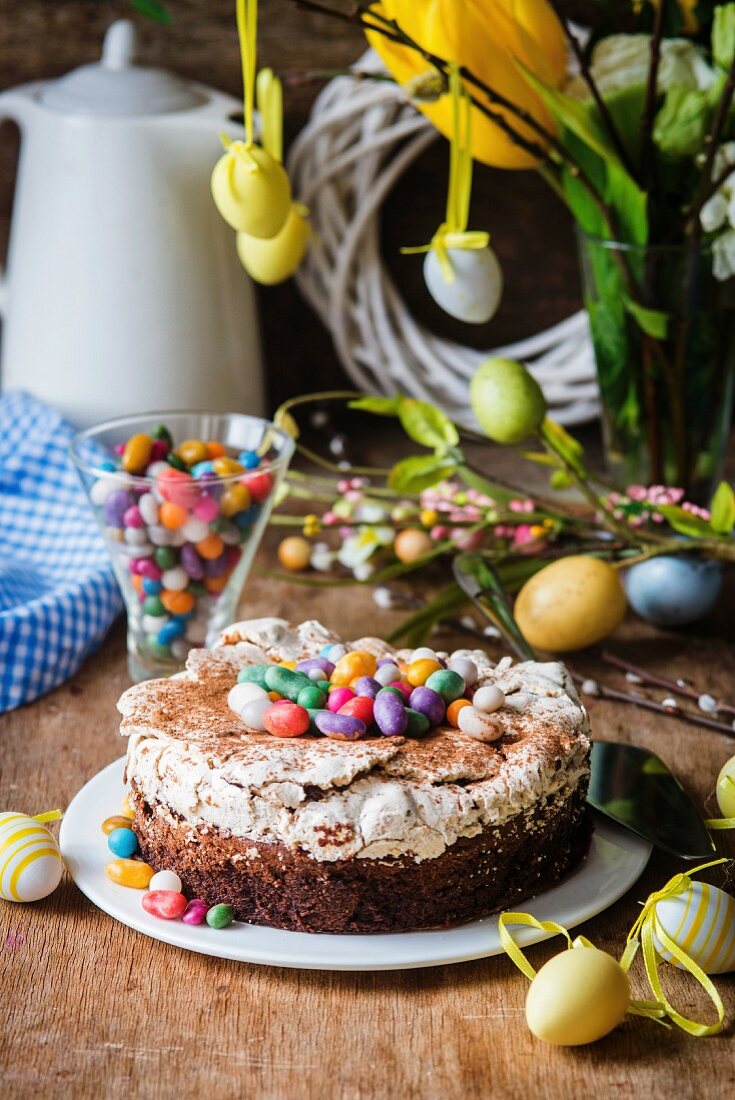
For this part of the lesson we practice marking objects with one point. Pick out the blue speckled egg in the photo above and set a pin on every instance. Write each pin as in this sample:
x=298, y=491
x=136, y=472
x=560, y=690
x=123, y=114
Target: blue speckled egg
x=672, y=591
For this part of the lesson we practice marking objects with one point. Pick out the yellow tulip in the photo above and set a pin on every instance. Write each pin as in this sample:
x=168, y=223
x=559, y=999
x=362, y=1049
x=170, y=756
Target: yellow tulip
x=488, y=37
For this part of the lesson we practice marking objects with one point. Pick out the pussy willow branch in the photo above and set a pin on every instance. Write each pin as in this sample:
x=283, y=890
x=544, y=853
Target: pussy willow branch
x=591, y=83
x=694, y=212
x=705, y=189
x=651, y=88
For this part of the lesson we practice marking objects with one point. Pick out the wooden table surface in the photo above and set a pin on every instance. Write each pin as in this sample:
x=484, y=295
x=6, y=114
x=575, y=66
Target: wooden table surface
x=92, y=1008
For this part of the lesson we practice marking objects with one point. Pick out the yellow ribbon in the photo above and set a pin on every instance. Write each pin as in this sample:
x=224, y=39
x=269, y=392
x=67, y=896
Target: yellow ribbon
x=269, y=94
x=452, y=233
x=49, y=815
x=722, y=822
x=247, y=29
x=642, y=934
x=652, y=1010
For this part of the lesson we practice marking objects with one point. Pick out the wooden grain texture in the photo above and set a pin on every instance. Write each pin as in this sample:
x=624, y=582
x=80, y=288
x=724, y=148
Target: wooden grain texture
x=93, y=1009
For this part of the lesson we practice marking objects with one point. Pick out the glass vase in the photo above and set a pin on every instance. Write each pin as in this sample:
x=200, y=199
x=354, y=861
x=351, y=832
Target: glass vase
x=663, y=332
x=182, y=571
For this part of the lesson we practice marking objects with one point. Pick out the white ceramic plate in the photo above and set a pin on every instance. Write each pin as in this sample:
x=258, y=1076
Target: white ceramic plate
x=616, y=860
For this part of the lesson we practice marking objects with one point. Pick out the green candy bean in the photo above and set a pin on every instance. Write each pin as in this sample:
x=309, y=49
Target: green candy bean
x=446, y=683
x=418, y=723
x=161, y=432
x=153, y=606
x=312, y=697
x=395, y=691
x=286, y=682
x=165, y=557
x=253, y=674
x=175, y=461
x=219, y=916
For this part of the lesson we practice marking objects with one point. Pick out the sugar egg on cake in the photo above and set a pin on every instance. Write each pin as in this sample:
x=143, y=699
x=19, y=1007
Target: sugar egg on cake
x=392, y=812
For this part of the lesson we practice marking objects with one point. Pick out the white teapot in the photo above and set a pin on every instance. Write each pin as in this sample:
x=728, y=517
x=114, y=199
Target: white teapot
x=123, y=291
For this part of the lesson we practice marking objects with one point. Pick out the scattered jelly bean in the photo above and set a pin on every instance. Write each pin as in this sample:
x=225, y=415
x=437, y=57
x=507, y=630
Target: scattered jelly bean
x=426, y=701
x=254, y=674
x=224, y=466
x=132, y=517
x=418, y=672
x=362, y=707
x=286, y=719
x=338, y=697
x=199, y=469
x=312, y=697
x=195, y=912
x=129, y=872
x=488, y=699
x=126, y=808
x=447, y=683
x=173, y=629
x=159, y=450
x=259, y=485
x=418, y=723
x=402, y=687
x=116, y=505
x=166, y=880
x=249, y=459
x=123, y=842
x=161, y=432
x=340, y=727
x=152, y=606
x=117, y=821
x=220, y=916
x=215, y=449
x=316, y=663
x=195, y=530
x=174, y=579
x=466, y=668
x=393, y=691
x=354, y=664
x=217, y=567
x=390, y=714
x=151, y=587
x=236, y=498
x=172, y=516
x=165, y=904
x=285, y=681
x=423, y=653
x=149, y=569
x=366, y=685
x=206, y=509
x=453, y=711
x=253, y=713
x=178, y=487
x=165, y=557
x=477, y=724
x=192, y=451
x=242, y=693
x=178, y=603
x=387, y=672
x=210, y=547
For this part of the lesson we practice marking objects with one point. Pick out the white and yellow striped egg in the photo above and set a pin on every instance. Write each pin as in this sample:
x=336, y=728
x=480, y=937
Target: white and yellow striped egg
x=701, y=921
x=30, y=860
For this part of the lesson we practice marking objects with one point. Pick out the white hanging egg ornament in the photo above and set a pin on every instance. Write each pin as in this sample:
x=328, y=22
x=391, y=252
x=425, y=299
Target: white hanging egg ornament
x=577, y=997
x=251, y=190
x=30, y=861
x=726, y=788
x=475, y=292
x=270, y=261
x=701, y=921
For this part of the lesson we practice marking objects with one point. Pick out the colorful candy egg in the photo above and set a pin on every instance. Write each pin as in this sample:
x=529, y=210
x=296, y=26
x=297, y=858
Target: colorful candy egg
x=570, y=604
x=272, y=260
x=251, y=190
x=701, y=921
x=726, y=788
x=30, y=861
x=474, y=294
x=577, y=997
x=671, y=591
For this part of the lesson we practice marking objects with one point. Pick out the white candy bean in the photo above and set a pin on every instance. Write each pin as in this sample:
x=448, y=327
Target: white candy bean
x=159, y=536
x=153, y=623
x=466, y=668
x=241, y=694
x=136, y=536
x=157, y=468
x=386, y=674
x=180, y=648
x=148, y=509
x=423, y=653
x=316, y=674
x=475, y=723
x=196, y=631
x=104, y=486
x=165, y=880
x=253, y=711
x=194, y=530
x=175, y=580
x=488, y=699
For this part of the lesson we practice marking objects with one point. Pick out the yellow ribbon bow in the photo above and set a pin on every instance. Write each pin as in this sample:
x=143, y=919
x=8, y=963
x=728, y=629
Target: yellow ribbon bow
x=642, y=934
x=453, y=232
x=49, y=815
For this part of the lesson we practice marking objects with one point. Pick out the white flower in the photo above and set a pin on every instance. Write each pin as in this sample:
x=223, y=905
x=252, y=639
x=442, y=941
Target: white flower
x=622, y=60
x=723, y=255
x=356, y=549
x=718, y=213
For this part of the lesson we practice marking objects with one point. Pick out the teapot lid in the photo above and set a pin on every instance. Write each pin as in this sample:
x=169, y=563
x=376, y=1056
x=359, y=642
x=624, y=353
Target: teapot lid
x=116, y=86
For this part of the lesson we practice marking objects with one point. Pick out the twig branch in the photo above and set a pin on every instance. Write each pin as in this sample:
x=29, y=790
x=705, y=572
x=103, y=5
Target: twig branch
x=651, y=89
x=676, y=687
x=591, y=83
x=602, y=691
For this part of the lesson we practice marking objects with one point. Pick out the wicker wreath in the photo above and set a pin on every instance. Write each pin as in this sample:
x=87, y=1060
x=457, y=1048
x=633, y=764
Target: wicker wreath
x=361, y=136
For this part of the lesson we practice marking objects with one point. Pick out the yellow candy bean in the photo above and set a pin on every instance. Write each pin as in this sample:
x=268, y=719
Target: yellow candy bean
x=418, y=672
x=117, y=821
x=192, y=451
x=226, y=466
x=126, y=809
x=352, y=666
x=129, y=872
x=235, y=499
x=291, y=665
x=137, y=453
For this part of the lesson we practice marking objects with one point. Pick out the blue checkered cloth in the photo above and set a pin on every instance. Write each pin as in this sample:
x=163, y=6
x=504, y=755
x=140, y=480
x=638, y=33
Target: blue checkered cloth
x=58, y=593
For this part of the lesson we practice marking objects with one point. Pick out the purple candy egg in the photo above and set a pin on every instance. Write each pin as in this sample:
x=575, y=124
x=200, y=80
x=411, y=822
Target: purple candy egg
x=340, y=727
x=216, y=567
x=116, y=506
x=386, y=661
x=368, y=685
x=321, y=663
x=191, y=563
x=390, y=714
x=429, y=703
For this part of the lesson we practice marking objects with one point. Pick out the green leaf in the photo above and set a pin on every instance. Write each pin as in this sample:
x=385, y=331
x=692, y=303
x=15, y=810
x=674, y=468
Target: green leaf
x=722, y=509
x=723, y=35
x=419, y=472
x=629, y=203
x=654, y=322
x=684, y=522
x=152, y=9
x=380, y=406
x=683, y=122
x=426, y=424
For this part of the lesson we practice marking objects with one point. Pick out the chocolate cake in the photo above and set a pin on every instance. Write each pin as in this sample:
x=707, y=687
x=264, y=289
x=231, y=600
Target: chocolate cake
x=382, y=834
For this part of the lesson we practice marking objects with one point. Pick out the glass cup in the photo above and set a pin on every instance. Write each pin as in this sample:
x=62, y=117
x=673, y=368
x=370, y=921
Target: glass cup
x=182, y=524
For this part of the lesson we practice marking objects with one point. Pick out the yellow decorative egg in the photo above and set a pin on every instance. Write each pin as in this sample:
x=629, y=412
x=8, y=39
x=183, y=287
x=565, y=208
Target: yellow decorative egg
x=251, y=190
x=578, y=997
x=571, y=604
x=270, y=261
x=701, y=921
x=30, y=861
x=726, y=788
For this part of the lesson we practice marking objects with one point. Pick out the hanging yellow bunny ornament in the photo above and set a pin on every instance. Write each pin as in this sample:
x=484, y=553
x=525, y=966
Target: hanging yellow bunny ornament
x=250, y=187
x=461, y=271
x=271, y=260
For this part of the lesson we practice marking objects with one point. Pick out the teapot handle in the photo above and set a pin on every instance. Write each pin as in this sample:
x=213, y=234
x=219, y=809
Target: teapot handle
x=13, y=108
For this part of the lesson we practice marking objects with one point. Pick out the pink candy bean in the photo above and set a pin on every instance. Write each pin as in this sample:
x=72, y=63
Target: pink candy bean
x=148, y=568
x=132, y=517
x=178, y=488
x=195, y=912
x=403, y=687
x=206, y=509
x=338, y=698
x=165, y=904
x=159, y=450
